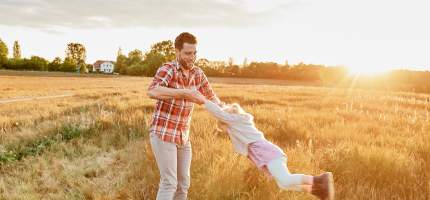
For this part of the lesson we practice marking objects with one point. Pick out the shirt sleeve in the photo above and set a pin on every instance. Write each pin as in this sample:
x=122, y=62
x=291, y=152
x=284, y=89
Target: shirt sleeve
x=162, y=77
x=220, y=114
x=205, y=88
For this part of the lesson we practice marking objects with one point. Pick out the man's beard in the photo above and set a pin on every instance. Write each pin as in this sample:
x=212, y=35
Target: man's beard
x=186, y=65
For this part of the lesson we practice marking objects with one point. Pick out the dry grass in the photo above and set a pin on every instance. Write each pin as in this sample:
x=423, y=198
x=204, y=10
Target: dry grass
x=375, y=143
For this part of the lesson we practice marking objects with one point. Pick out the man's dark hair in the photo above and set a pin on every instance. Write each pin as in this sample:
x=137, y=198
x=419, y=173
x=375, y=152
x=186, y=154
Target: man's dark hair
x=184, y=37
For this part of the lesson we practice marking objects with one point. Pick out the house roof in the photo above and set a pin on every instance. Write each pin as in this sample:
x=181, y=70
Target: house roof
x=99, y=62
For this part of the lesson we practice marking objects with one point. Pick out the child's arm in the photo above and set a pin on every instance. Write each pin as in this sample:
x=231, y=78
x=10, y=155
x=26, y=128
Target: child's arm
x=216, y=110
x=221, y=115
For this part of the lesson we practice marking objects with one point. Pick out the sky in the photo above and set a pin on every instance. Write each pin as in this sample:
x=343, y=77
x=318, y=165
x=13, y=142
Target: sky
x=374, y=35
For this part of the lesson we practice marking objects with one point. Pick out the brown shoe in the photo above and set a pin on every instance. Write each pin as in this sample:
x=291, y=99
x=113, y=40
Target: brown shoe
x=323, y=187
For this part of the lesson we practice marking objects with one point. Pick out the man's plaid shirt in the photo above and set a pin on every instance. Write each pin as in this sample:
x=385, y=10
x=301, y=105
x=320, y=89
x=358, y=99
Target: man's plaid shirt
x=172, y=117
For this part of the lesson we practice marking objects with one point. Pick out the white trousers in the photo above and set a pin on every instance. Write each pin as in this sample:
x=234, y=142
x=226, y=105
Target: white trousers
x=285, y=180
x=174, y=162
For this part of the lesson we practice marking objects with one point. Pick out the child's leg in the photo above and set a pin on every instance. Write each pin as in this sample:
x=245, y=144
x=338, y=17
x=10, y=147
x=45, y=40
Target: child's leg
x=286, y=180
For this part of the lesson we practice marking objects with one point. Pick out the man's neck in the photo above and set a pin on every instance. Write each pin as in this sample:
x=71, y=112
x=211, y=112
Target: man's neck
x=186, y=72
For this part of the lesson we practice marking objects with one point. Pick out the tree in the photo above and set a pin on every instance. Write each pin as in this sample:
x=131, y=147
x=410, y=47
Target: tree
x=203, y=63
x=119, y=52
x=16, y=64
x=208, y=67
x=39, y=63
x=160, y=53
x=152, y=62
x=16, y=50
x=245, y=62
x=120, y=64
x=3, y=53
x=77, y=54
x=136, y=69
x=165, y=49
x=55, y=65
x=35, y=63
x=230, y=61
x=89, y=68
x=134, y=57
x=232, y=70
x=83, y=68
x=68, y=65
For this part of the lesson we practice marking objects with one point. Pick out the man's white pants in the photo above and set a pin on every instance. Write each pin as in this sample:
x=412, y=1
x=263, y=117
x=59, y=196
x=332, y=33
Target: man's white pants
x=174, y=162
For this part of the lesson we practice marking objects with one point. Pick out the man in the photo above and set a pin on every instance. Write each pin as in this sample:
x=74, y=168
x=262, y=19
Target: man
x=175, y=87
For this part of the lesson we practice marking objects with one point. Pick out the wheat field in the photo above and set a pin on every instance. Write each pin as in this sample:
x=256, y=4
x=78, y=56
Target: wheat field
x=94, y=143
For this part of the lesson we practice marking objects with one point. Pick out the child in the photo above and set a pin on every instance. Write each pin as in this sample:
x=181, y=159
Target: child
x=249, y=141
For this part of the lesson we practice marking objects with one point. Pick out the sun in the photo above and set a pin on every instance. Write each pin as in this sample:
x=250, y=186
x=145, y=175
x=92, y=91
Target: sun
x=369, y=71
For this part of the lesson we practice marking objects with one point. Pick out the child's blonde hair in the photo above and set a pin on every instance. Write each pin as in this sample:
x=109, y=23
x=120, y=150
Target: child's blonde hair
x=233, y=108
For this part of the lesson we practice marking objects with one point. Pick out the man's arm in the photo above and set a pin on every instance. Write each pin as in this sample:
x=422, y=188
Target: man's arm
x=158, y=88
x=207, y=91
x=161, y=92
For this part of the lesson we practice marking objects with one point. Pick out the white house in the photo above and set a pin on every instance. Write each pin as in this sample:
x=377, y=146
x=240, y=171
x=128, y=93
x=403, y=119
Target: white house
x=103, y=66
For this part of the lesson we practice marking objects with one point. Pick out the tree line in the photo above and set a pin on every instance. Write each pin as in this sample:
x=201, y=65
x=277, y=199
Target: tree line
x=138, y=63
x=74, y=60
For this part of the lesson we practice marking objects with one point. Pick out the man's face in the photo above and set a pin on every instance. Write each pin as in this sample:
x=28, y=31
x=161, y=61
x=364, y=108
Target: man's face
x=187, y=55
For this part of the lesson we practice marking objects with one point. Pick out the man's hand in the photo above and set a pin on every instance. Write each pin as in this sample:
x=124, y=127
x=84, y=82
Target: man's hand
x=218, y=102
x=200, y=97
x=194, y=96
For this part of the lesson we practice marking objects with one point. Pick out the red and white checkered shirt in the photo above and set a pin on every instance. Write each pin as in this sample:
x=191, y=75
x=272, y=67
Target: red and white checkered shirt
x=172, y=117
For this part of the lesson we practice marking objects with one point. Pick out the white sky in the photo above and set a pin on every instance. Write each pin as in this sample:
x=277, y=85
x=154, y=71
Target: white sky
x=371, y=34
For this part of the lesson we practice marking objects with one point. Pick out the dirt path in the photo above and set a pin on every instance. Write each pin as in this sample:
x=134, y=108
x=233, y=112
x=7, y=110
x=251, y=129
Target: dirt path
x=12, y=100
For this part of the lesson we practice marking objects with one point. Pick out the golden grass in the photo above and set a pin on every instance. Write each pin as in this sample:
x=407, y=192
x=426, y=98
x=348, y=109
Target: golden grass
x=376, y=143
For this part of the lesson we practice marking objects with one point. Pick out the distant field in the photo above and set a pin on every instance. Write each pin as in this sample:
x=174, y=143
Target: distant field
x=94, y=144
x=225, y=80
x=44, y=73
